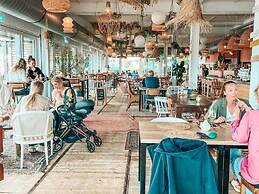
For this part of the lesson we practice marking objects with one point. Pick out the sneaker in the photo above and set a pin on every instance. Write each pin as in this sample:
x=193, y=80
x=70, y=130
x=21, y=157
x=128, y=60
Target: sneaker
x=40, y=148
x=32, y=149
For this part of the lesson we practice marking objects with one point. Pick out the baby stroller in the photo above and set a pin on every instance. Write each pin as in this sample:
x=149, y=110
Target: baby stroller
x=71, y=125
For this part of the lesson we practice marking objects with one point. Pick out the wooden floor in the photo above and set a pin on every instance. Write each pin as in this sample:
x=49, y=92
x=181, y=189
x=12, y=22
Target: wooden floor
x=78, y=171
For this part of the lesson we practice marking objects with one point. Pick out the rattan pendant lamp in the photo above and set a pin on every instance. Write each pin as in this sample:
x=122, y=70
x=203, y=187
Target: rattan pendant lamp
x=56, y=6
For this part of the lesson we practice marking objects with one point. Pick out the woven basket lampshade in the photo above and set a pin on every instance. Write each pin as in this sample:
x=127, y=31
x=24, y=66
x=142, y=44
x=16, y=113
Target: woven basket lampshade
x=56, y=6
x=233, y=43
x=109, y=39
x=68, y=25
x=245, y=39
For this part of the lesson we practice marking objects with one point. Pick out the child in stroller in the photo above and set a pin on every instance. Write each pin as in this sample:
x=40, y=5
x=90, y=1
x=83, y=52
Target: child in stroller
x=71, y=122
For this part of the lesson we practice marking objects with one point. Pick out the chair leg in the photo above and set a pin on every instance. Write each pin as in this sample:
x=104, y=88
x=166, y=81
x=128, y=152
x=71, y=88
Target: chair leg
x=22, y=155
x=242, y=189
x=51, y=147
x=46, y=152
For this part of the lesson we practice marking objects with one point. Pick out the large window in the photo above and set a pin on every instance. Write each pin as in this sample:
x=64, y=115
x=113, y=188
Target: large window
x=7, y=51
x=29, y=45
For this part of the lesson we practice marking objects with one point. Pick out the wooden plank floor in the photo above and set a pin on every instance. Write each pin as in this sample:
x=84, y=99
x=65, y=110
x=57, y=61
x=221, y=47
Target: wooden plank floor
x=95, y=173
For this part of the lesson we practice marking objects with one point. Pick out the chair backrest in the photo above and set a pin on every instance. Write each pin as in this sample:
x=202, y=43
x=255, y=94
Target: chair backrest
x=16, y=85
x=32, y=126
x=161, y=105
x=152, y=91
x=74, y=80
x=169, y=120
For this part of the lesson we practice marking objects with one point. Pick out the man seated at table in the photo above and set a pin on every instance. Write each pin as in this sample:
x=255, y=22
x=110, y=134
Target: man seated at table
x=151, y=81
x=152, y=85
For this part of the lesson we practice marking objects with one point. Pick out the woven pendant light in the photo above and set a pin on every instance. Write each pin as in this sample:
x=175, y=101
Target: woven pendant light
x=56, y=6
x=68, y=25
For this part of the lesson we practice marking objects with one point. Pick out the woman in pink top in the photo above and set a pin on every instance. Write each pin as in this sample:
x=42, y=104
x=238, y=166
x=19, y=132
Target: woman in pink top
x=247, y=131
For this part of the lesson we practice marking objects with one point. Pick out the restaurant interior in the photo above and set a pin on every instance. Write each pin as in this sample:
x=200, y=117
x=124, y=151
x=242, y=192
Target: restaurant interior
x=129, y=96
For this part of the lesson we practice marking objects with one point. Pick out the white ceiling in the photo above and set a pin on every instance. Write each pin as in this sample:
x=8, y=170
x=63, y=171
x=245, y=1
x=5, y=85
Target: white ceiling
x=224, y=15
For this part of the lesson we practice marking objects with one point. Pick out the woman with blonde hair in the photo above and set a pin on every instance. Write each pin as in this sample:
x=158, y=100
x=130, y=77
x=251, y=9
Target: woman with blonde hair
x=34, y=102
x=58, y=92
x=18, y=72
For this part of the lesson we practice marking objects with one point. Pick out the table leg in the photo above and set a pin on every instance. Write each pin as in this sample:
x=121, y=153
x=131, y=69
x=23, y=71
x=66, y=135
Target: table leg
x=87, y=89
x=142, y=158
x=140, y=106
x=18, y=149
x=139, y=159
x=226, y=169
x=220, y=168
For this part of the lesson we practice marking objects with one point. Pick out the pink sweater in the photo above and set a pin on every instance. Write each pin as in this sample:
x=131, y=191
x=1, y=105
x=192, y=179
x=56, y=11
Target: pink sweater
x=247, y=131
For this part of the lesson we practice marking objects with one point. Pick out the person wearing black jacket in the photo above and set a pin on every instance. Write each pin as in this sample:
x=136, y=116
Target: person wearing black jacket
x=33, y=71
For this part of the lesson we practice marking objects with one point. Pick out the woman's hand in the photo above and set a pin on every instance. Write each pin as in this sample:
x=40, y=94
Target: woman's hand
x=242, y=105
x=219, y=120
x=236, y=112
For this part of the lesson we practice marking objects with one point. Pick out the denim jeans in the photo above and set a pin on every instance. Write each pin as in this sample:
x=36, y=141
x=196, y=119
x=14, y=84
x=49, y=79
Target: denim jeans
x=234, y=154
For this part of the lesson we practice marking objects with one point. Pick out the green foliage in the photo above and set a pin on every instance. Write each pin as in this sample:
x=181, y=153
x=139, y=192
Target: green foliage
x=179, y=70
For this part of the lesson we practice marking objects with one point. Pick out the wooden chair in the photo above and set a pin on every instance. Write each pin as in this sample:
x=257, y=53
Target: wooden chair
x=75, y=83
x=16, y=86
x=132, y=98
x=152, y=92
x=215, y=89
x=246, y=185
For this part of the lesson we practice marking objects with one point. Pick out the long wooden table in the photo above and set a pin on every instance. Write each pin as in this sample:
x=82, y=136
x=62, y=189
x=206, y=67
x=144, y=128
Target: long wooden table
x=153, y=133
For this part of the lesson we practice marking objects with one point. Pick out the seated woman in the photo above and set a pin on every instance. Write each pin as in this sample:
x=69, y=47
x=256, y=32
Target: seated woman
x=222, y=110
x=58, y=91
x=7, y=103
x=246, y=131
x=18, y=74
x=33, y=71
x=34, y=102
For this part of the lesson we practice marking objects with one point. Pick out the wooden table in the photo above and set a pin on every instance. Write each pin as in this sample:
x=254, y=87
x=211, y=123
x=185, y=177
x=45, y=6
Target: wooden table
x=183, y=105
x=142, y=91
x=153, y=133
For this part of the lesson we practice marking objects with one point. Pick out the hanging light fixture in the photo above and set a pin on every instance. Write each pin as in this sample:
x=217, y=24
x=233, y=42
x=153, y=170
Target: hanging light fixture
x=68, y=25
x=164, y=36
x=109, y=39
x=56, y=6
x=108, y=10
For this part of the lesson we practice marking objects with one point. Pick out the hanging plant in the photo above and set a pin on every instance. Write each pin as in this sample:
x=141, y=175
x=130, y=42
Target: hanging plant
x=190, y=12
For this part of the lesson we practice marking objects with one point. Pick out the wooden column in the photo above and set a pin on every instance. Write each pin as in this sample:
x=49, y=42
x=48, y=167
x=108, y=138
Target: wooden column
x=254, y=79
x=1, y=150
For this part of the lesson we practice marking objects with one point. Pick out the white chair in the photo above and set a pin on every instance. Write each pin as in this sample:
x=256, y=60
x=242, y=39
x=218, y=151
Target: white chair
x=169, y=120
x=33, y=127
x=161, y=106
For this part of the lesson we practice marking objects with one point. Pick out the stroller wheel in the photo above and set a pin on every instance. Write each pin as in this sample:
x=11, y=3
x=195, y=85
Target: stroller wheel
x=97, y=141
x=57, y=143
x=90, y=146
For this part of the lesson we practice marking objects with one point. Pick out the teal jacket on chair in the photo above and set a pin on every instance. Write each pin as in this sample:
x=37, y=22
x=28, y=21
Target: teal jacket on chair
x=182, y=166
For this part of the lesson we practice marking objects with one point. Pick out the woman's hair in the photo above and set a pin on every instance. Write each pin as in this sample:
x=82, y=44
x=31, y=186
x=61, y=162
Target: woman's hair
x=57, y=80
x=37, y=88
x=30, y=58
x=21, y=64
x=151, y=73
x=224, y=87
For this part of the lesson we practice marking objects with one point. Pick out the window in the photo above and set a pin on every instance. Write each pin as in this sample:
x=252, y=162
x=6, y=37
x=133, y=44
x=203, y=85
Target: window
x=7, y=51
x=28, y=48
